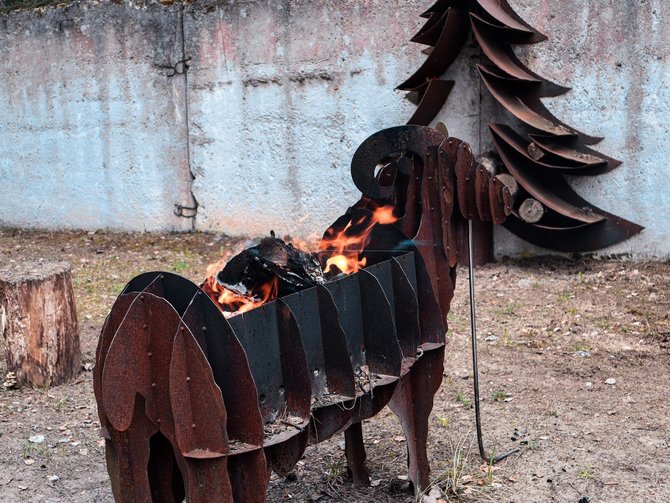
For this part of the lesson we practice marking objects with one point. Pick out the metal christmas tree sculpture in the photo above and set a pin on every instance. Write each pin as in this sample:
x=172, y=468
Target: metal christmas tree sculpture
x=548, y=211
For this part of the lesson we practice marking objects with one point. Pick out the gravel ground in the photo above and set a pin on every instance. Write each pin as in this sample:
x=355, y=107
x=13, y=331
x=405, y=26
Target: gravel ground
x=554, y=333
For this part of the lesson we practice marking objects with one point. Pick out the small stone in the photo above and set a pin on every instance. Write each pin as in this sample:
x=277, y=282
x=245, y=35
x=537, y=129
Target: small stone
x=611, y=381
x=53, y=478
x=36, y=439
x=29, y=461
x=492, y=338
x=589, y=385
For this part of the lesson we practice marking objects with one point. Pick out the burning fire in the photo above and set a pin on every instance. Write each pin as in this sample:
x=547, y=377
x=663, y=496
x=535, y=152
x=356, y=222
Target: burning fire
x=232, y=303
x=346, y=245
x=342, y=248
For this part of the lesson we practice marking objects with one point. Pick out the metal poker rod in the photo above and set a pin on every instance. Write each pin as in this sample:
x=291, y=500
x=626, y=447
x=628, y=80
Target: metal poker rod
x=475, y=369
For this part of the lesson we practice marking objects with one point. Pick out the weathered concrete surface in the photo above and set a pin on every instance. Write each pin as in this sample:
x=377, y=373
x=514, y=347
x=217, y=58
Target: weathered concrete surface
x=280, y=94
x=93, y=132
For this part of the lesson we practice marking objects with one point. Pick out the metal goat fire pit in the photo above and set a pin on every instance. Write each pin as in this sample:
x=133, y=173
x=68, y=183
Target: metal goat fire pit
x=197, y=406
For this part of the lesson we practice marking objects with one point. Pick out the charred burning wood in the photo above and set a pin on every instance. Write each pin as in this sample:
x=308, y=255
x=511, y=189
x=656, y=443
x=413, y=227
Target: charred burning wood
x=263, y=273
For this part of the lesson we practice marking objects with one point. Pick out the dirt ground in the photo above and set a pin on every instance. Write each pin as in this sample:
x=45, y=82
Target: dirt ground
x=553, y=333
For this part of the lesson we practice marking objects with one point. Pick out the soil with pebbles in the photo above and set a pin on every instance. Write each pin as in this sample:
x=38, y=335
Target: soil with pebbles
x=575, y=366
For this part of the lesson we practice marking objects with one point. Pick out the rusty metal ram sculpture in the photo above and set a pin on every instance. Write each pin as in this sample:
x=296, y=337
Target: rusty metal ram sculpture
x=547, y=150
x=199, y=407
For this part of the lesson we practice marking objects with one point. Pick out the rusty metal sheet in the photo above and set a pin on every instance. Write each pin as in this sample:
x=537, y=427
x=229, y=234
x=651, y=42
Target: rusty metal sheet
x=482, y=181
x=500, y=11
x=578, y=238
x=231, y=372
x=382, y=349
x=549, y=188
x=414, y=95
x=412, y=402
x=284, y=389
x=447, y=191
x=337, y=362
x=199, y=422
x=499, y=201
x=402, y=297
x=465, y=181
x=283, y=456
x=197, y=404
x=522, y=99
x=175, y=289
x=138, y=362
x=165, y=479
x=567, y=148
x=430, y=32
x=249, y=476
x=346, y=294
x=109, y=329
x=440, y=6
x=128, y=454
x=510, y=137
x=325, y=345
x=430, y=233
x=451, y=40
x=432, y=101
x=412, y=140
x=431, y=319
x=502, y=56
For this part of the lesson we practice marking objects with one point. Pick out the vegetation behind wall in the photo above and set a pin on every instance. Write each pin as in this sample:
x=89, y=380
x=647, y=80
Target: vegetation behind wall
x=9, y=5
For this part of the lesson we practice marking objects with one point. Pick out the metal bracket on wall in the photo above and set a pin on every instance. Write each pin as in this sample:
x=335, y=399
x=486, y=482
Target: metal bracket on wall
x=179, y=68
x=185, y=211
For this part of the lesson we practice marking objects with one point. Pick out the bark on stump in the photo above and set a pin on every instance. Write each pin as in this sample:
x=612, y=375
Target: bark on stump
x=38, y=321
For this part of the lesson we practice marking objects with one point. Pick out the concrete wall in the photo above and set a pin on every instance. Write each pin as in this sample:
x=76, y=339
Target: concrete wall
x=92, y=133
x=278, y=96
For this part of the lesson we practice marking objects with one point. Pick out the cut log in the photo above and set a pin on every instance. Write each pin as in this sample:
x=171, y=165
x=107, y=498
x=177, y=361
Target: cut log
x=535, y=152
x=511, y=183
x=490, y=163
x=531, y=211
x=38, y=321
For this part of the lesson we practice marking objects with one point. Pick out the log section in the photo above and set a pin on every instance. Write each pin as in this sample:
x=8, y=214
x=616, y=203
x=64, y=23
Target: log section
x=38, y=321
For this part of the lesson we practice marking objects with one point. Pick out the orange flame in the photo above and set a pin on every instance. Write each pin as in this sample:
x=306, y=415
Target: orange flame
x=232, y=303
x=346, y=248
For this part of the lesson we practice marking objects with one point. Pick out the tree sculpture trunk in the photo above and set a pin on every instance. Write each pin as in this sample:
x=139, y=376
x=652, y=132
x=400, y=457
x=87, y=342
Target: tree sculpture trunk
x=38, y=321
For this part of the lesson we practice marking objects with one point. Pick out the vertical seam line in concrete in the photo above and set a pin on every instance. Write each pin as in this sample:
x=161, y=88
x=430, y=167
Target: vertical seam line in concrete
x=187, y=116
x=479, y=115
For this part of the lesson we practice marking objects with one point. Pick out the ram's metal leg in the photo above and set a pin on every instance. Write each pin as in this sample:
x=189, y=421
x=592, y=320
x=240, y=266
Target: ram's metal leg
x=413, y=403
x=355, y=453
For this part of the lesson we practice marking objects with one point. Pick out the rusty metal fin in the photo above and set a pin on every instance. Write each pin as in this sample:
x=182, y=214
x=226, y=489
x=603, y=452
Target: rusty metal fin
x=451, y=40
x=515, y=141
x=522, y=100
x=432, y=101
x=503, y=57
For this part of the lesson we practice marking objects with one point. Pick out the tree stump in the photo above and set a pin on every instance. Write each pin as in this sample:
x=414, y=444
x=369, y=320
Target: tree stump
x=38, y=321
